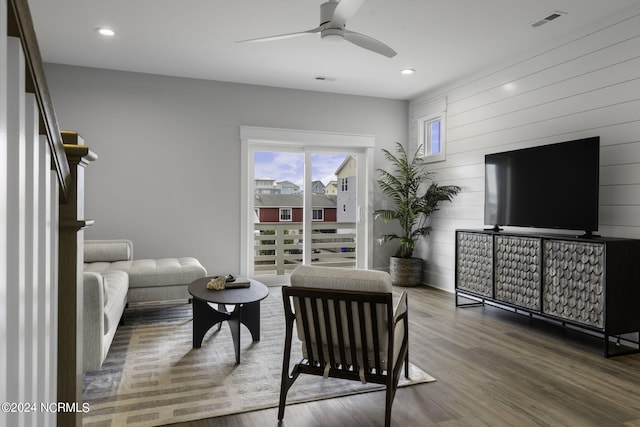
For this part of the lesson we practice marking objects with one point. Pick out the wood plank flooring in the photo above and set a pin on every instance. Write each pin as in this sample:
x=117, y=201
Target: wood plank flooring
x=493, y=368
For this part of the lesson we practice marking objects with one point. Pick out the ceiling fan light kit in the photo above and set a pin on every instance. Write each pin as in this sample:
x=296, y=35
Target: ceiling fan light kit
x=333, y=18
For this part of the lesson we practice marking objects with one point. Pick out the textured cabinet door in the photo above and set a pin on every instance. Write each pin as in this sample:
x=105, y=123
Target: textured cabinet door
x=518, y=271
x=574, y=281
x=474, y=267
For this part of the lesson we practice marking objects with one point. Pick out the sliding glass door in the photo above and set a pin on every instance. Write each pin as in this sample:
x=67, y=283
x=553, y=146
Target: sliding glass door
x=304, y=206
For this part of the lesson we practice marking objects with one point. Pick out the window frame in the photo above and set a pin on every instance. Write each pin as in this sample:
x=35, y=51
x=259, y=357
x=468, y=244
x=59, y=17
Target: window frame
x=290, y=210
x=424, y=137
x=313, y=214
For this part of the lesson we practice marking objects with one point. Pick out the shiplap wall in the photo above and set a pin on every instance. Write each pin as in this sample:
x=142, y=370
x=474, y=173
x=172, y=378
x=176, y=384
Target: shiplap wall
x=28, y=248
x=585, y=85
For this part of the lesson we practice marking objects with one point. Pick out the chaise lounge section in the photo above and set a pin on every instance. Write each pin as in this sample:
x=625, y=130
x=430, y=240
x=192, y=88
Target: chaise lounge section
x=112, y=279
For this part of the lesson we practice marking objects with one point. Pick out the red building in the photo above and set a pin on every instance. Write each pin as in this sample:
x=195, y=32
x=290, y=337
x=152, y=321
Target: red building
x=288, y=207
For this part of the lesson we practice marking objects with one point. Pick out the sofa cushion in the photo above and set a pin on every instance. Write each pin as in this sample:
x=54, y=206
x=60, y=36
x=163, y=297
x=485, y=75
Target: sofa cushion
x=153, y=272
x=166, y=271
x=108, y=250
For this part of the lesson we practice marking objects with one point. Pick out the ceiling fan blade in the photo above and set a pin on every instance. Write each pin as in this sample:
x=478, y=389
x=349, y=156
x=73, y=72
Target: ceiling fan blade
x=281, y=36
x=343, y=11
x=369, y=43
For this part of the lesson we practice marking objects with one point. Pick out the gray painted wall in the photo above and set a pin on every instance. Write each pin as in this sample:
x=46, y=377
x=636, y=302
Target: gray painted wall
x=167, y=176
x=584, y=85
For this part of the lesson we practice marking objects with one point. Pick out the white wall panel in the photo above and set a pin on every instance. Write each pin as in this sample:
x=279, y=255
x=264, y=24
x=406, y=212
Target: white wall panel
x=585, y=85
x=620, y=153
x=31, y=254
x=15, y=230
x=620, y=195
x=4, y=339
x=50, y=384
x=626, y=174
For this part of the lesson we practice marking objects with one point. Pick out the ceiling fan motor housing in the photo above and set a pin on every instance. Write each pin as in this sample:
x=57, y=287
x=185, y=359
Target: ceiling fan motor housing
x=335, y=34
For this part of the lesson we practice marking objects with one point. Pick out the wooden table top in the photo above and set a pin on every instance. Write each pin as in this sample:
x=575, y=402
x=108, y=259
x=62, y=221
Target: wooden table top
x=257, y=291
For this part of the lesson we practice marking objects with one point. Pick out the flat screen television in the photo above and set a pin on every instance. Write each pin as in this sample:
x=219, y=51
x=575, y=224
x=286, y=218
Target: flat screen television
x=550, y=186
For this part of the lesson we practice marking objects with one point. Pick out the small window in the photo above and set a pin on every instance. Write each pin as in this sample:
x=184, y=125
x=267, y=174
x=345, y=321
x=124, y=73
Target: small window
x=318, y=214
x=345, y=184
x=285, y=214
x=432, y=138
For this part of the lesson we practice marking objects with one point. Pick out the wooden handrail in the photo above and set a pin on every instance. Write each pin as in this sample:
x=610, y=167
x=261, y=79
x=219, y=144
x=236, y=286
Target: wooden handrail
x=20, y=25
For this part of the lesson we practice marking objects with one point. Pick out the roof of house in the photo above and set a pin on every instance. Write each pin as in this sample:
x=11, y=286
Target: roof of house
x=294, y=201
x=344, y=163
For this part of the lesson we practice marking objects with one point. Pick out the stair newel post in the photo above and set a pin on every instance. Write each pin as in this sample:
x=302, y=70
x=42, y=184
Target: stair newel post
x=70, y=290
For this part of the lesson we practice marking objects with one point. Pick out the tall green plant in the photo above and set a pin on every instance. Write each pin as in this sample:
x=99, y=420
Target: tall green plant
x=403, y=186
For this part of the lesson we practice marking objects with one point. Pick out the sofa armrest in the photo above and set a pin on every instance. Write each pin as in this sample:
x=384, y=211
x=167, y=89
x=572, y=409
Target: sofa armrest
x=93, y=324
x=108, y=250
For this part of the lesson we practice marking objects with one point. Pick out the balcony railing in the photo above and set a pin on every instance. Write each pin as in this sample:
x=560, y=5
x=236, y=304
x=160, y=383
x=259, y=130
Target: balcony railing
x=279, y=245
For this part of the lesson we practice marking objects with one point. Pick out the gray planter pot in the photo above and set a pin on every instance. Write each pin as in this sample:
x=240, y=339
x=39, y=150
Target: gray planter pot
x=405, y=271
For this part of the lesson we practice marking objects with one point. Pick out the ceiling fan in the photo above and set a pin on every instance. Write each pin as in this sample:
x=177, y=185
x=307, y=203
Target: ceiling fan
x=333, y=17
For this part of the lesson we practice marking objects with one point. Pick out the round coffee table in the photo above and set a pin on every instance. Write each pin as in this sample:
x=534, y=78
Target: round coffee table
x=246, y=311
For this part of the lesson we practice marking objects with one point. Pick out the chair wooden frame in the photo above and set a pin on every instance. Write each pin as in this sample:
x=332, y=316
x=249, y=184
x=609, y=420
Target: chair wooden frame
x=318, y=363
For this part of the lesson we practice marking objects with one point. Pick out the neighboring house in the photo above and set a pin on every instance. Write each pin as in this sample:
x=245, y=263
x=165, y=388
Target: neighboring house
x=331, y=189
x=346, y=187
x=317, y=187
x=288, y=187
x=266, y=185
x=288, y=207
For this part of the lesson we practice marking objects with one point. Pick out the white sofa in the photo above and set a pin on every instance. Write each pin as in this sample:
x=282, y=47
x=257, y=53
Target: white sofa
x=112, y=279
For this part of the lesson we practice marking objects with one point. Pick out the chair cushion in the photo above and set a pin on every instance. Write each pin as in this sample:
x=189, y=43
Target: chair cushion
x=348, y=279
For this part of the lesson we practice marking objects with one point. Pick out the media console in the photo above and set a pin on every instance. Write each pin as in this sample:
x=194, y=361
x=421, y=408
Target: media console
x=592, y=284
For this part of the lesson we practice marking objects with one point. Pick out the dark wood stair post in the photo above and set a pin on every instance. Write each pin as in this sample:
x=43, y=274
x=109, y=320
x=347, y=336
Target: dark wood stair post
x=70, y=286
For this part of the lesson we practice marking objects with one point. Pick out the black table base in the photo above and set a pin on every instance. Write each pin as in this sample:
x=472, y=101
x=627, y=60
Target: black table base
x=205, y=317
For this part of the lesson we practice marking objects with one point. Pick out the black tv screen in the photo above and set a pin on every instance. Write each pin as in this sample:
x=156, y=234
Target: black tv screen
x=549, y=186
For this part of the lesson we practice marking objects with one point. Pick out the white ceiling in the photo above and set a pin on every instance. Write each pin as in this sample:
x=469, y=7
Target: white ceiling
x=442, y=39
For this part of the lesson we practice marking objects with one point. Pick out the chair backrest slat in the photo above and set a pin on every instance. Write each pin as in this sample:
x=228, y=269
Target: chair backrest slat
x=363, y=336
x=317, y=329
x=352, y=336
x=376, y=338
x=327, y=327
x=342, y=346
x=305, y=325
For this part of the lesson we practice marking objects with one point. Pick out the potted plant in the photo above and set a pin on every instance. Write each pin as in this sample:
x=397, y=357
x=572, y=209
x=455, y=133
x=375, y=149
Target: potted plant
x=405, y=185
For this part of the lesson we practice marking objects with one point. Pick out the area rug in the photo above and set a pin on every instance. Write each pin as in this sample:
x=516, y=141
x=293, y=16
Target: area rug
x=152, y=375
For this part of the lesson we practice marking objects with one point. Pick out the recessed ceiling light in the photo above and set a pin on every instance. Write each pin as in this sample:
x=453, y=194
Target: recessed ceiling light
x=408, y=71
x=108, y=32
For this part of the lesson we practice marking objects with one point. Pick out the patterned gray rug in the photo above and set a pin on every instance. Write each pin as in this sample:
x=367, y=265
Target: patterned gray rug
x=152, y=375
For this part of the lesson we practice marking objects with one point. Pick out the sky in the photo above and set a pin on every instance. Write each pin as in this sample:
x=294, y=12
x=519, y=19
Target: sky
x=290, y=166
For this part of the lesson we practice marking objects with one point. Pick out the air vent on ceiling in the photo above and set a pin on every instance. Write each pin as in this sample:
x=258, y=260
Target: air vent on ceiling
x=325, y=78
x=555, y=15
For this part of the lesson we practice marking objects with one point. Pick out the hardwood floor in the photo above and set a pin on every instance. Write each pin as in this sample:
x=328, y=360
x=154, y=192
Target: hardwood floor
x=493, y=368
